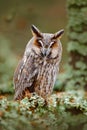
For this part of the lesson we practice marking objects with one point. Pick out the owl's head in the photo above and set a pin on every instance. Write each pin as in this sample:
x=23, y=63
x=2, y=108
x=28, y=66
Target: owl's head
x=46, y=44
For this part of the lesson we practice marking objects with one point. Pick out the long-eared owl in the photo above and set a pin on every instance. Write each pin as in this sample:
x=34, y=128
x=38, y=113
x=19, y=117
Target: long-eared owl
x=37, y=70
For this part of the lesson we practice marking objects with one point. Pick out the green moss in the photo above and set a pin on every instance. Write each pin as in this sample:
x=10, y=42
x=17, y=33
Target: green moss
x=63, y=111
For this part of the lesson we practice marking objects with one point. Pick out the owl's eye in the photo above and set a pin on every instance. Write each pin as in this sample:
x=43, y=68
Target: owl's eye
x=53, y=44
x=38, y=43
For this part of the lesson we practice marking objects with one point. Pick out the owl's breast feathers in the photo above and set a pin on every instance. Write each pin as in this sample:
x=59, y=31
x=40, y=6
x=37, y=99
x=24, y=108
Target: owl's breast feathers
x=46, y=78
x=35, y=74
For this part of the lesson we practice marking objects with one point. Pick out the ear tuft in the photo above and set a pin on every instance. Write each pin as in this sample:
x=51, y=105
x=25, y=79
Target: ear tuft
x=59, y=33
x=35, y=31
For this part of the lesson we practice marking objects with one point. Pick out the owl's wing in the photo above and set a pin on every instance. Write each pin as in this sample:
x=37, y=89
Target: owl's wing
x=24, y=76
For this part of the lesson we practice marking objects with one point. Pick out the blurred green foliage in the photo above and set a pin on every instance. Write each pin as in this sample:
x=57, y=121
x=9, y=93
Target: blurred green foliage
x=77, y=48
x=75, y=76
x=7, y=63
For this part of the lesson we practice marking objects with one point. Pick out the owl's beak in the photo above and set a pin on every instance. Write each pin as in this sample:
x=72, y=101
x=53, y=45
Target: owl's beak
x=44, y=52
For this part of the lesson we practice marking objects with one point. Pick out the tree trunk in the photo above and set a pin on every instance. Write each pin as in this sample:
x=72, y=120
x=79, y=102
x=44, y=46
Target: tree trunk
x=77, y=46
